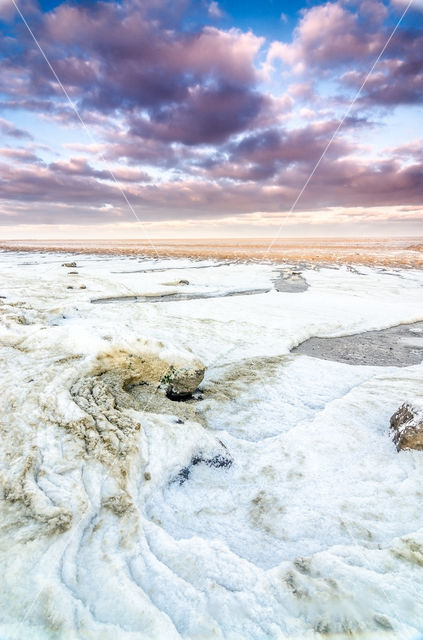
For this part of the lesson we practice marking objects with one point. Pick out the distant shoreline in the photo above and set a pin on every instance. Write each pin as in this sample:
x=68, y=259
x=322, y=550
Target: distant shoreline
x=404, y=252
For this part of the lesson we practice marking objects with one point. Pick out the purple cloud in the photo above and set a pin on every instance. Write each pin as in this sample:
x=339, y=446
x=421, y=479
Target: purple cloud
x=330, y=37
x=192, y=88
x=19, y=155
x=8, y=129
x=340, y=181
x=81, y=167
x=194, y=104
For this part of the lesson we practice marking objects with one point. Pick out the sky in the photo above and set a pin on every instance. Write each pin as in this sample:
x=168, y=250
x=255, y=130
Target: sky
x=210, y=118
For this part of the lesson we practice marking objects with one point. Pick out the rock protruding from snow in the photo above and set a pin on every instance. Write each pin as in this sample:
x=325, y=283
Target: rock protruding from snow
x=175, y=283
x=184, y=381
x=407, y=427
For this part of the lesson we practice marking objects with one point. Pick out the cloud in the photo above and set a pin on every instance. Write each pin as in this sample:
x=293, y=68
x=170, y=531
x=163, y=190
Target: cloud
x=186, y=113
x=8, y=129
x=19, y=155
x=7, y=10
x=44, y=184
x=417, y=5
x=214, y=10
x=329, y=35
x=263, y=154
x=394, y=82
x=332, y=36
x=201, y=118
x=80, y=167
x=111, y=59
x=254, y=178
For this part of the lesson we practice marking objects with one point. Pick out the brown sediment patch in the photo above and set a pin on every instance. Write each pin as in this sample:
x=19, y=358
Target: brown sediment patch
x=409, y=550
x=235, y=377
x=394, y=252
x=23, y=491
x=119, y=381
x=98, y=406
x=265, y=513
x=399, y=346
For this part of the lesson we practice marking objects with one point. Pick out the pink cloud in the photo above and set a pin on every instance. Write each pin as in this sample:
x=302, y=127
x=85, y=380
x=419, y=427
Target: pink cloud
x=8, y=129
x=329, y=34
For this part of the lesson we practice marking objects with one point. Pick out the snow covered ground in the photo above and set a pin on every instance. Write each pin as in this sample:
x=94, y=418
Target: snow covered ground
x=312, y=529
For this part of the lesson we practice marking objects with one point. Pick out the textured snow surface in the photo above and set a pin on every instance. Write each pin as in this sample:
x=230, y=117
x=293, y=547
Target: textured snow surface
x=277, y=508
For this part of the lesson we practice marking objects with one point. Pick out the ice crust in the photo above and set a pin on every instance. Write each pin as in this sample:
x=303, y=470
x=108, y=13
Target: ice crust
x=315, y=528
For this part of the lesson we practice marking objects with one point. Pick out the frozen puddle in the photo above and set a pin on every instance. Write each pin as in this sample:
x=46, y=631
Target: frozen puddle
x=397, y=346
x=178, y=296
x=287, y=282
x=172, y=268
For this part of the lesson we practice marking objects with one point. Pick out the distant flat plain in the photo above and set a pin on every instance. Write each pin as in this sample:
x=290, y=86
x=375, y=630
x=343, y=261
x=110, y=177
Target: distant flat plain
x=401, y=252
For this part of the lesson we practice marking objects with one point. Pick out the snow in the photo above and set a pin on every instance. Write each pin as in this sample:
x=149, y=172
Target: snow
x=316, y=527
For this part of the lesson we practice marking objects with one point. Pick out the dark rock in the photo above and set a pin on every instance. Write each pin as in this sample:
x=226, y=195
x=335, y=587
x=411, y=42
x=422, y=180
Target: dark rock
x=406, y=427
x=182, y=382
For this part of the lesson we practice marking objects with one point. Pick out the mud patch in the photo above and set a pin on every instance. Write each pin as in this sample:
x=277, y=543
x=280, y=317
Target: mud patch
x=399, y=346
x=237, y=376
x=266, y=513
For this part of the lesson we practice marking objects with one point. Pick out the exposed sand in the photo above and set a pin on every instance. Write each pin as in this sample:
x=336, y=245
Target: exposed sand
x=401, y=252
